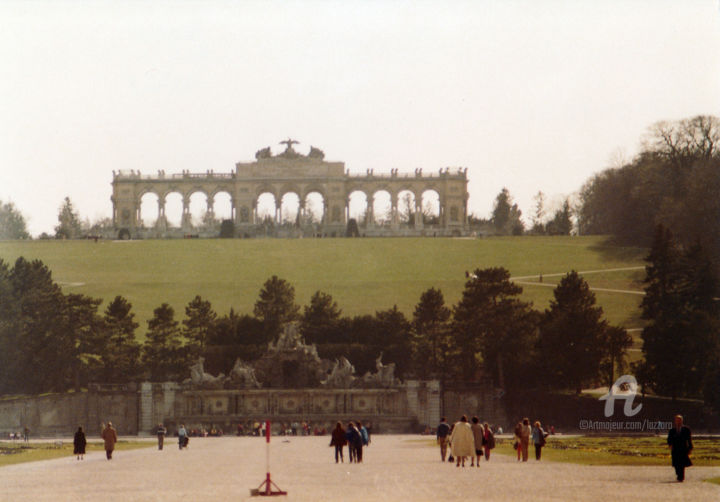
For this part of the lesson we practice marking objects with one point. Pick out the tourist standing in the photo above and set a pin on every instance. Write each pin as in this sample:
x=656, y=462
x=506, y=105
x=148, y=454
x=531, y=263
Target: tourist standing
x=477, y=430
x=26, y=434
x=182, y=437
x=161, y=431
x=538, y=439
x=79, y=443
x=109, y=435
x=680, y=441
x=443, y=431
x=525, y=431
x=488, y=440
x=338, y=441
x=462, y=441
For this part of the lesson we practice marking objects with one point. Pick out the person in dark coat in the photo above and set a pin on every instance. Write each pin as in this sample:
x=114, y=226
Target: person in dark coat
x=354, y=443
x=442, y=434
x=338, y=441
x=79, y=443
x=161, y=431
x=680, y=441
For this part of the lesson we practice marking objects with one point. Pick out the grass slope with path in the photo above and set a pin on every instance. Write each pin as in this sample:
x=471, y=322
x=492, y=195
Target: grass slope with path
x=362, y=275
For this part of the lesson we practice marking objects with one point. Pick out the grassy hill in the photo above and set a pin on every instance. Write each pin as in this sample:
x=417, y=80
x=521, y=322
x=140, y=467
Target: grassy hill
x=363, y=275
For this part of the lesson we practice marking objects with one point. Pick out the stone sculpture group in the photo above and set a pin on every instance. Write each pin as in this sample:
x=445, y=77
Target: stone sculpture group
x=290, y=362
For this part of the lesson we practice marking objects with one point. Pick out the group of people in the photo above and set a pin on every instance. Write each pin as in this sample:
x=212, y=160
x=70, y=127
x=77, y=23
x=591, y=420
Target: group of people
x=524, y=433
x=108, y=434
x=466, y=440
x=25, y=436
x=356, y=436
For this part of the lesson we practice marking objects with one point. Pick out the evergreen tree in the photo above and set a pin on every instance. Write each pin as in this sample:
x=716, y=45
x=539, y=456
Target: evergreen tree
x=198, y=323
x=490, y=324
x=82, y=328
x=506, y=215
x=680, y=343
x=162, y=353
x=69, y=222
x=33, y=341
x=12, y=222
x=392, y=338
x=276, y=305
x=572, y=333
x=561, y=223
x=320, y=319
x=121, y=357
x=430, y=335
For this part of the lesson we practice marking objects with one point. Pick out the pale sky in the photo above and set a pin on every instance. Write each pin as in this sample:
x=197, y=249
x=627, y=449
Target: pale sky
x=535, y=95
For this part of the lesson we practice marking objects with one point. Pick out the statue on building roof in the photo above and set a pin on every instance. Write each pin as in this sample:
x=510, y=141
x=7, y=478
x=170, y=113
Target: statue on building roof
x=316, y=153
x=264, y=153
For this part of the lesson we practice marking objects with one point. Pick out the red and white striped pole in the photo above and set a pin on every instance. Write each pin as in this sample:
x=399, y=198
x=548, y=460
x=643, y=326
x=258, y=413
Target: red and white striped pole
x=268, y=491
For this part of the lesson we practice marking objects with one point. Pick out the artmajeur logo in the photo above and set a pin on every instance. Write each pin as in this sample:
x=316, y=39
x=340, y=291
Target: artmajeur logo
x=624, y=388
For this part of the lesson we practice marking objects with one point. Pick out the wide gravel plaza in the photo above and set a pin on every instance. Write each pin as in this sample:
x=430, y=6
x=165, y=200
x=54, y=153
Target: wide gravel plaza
x=397, y=468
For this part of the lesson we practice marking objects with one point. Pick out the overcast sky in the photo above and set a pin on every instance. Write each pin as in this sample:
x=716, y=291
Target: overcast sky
x=535, y=95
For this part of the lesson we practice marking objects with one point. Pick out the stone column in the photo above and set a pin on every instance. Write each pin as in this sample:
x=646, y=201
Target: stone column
x=369, y=210
x=210, y=206
x=411, y=388
x=186, y=222
x=145, y=413
x=394, y=223
x=418, y=214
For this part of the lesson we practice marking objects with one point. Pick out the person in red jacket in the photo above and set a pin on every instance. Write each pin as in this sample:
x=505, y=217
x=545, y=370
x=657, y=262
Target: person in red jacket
x=338, y=441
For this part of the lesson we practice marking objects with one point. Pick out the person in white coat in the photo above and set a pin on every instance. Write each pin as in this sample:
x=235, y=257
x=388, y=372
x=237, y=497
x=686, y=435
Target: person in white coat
x=462, y=441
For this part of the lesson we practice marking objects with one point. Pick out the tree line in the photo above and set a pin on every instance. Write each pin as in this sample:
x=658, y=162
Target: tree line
x=52, y=341
x=674, y=181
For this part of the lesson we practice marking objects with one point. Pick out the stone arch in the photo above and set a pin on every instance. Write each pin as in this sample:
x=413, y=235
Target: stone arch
x=222, y=204
x=313, y=206
x=430, y=201
x=382, y=204
x=197, y=204
x=174, y=203
x=290, y=207
x=149, y=209
x=406, y=205
x=358, y=206
x=266, y=207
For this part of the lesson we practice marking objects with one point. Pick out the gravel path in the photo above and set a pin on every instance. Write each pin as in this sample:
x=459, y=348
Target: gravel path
x=400, y=468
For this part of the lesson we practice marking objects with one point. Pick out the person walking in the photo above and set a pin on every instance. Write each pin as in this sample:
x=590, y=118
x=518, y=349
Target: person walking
x=462, y=441
x=488, y=440
x=442, y=433
x=477, y=430
x=109, y=435
x=79, y=444
x=338, y=441
x=516, y=444
x=182, y=437
x=354, y=443
x=364, y=436
x=680, y=442
x=538, y=438
x=161, y=431
x=525, y=431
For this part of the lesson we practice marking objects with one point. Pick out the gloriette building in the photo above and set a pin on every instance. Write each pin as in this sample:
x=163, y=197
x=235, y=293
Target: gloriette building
x=305, y=175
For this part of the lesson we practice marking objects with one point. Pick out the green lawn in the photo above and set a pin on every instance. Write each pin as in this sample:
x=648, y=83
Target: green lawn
x=15, y=452
x=618, y=450
x=363, y=275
